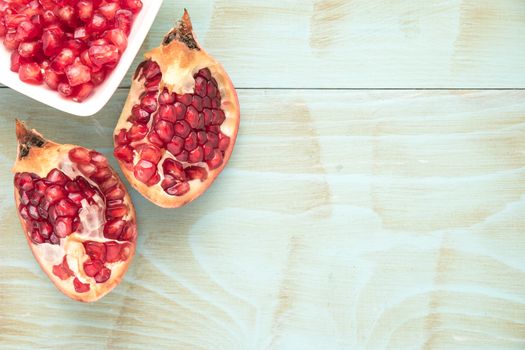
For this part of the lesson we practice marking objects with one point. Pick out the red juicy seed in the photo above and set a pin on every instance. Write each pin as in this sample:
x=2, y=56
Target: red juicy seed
x=133, y=5
x=180, y=110
x=216, y=161
x=35, y=197
x=10, y=41
x=109, y=184
x=97, y=24
x=206, y=102
x=176, y=145
x=216, y=103
x=122, y=138
x=92, y=267
x=179, y=189
x=190, y=143
x=36, y=237
x=24, y=199
x=85, y=10
x=153, y=85
x=211, y=90
x=63, y=227
x=14, y=20
x=80, y=155
x=154, y=138
x=154, y=180
x=23, y=212
x=27, y=30
x=182, y=156
x=129, y=233
x=165, y=98
x=221, y=118
x=55, y=176
x=55, y=193
x=124, y=153
x=33, y=212
x=117, y=212
x=40, y=186
x=197, y=103
x=192, y=117
x=150, y=153
x=109, y=10
x=48, y=17
x=224, y=142
x=205, y=73
x=80, y=287
x=87, y=169
x=30, y=73
x=168, y=182
x=54, y=239
x=165, y=130
x=149, y=103
x=82, y=92
x=52, y=214
x=72, y=187
x=46, y=229
x=65, y=57
x=139, y=115
x=123, y=20
x=98, y=77
x=103, y=275
x=196, y=173
x=213, y=139
x=185, y=99
x=76, y=198
x=104, y=54
x=201, y=137
x=65, y=89
x=168, y=113
x=101, y=175
x=112, y=230
x=30, y=49
x=51, y=40
x=144, y=170
x=77, y=74
x=77, y=46
x=67, y=15
x=16, y=60
x=197, y=155
x=25, y=182
x=200, y=86
x=151, y=70
x=66, y=208
x=51, y=79
x=137, y=132
x=95, y=250
x=98, y=159
x=80, y=33
x=118, y=38
x=174, y=169
x=62, y=271
x=115, y=193
x=112, y=252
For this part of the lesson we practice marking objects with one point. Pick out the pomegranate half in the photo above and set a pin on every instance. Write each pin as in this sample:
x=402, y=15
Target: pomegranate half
x=78, y=218
x=180, y=121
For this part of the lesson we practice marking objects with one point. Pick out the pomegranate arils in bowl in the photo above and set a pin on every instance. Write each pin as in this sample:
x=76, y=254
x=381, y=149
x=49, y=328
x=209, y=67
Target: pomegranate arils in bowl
x=78, y=218
x=180, y=122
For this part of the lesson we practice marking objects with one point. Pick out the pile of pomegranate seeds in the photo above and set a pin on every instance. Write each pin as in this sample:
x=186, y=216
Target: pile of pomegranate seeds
x=57, y=206
x=186, y=126
x=71, y=45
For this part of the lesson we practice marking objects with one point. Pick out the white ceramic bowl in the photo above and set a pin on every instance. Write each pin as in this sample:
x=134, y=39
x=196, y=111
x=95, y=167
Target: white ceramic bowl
x=102, y=93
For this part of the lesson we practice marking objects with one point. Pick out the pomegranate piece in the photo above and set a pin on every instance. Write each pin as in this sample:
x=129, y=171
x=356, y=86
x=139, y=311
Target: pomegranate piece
x=89, y=221
x=82, y=40
x=192, y=135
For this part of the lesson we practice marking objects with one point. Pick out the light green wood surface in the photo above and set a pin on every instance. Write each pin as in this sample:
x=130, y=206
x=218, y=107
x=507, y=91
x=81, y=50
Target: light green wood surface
x=347, y=219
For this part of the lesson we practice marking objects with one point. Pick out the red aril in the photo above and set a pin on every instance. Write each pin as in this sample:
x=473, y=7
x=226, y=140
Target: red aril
x=30, y=73
x=180, y=122
x=81, y=228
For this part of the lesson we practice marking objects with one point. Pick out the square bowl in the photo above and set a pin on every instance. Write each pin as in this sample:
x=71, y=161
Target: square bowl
x=102, y=93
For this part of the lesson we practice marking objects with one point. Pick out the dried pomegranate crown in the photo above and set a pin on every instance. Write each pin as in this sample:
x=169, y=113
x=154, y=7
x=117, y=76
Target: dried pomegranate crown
x=180, y=121
x=78, y=218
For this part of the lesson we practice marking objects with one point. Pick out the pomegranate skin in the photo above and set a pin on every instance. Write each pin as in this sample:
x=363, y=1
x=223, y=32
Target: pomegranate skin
x=73, y=248
x=182, y=102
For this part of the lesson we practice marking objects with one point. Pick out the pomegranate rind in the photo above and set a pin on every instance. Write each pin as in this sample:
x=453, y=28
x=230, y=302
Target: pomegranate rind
x=40, y=161
x=179, y=64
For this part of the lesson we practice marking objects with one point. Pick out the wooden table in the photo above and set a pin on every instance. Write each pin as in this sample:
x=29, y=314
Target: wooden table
x=375, y=199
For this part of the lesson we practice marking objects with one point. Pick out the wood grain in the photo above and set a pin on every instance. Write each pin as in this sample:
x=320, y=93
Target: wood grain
x=346, y=220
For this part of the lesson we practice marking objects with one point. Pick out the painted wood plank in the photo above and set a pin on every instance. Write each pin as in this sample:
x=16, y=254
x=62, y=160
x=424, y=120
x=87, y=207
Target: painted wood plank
x=359, y=43
x=346, y=220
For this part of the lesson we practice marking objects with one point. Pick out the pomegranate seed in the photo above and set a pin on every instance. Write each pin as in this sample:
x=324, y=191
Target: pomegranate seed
x=144, y=170
x=92, y=267
x=182, y=129
x=46, y=229
x=98, y=159
x=213, y=139
x=196, y=156
x=27, y=30
x=112, y=252
x=118, y=38
x=80, y=287
x=57, y=177
x=208, y=117
x=165, y=98
x=133, y=5
x=151, y=70
x=124, y=153
x=65, y=89
x=168, y=113
x=190, y=143
x=192, y=117
x=197, y=103
x=176, y=145
x=140, y=115
x=112, y=230
x=85, y=10
x=109, y=184
x=64, y=58
x=200, y=86
x=80, y=33
x=29, y=49
x=48, y=18
x=154, y=138
x=66, y=208
x=211, y=90
x=117, y=212
x=80, y=155
x=30, y=73
x=165, y=130
x=174, y=169
x=63, y=227
x=182, y=156
x=16, y=60
x=51, y=79
x=149, y=103
x=196, y=173
x=216, y=161
x=185, y=99
x=98, y=77
x=101, y=175
x=51, y=40
x=224, y=142
x=33, y=212
x=201, y=137
x=168, y=182
x=67, y=15
x=10, y=41
x=150, y=153
x=23, y=212
x=122, y=137
x=205, y=73
x=137, y=132
x=55, y=193
x=82, y=92
x=62, y=271
x=116, y=193
x=76, y=198
x=103, y=275
x=206, y=102
x=97, y=23
x=24, y=182
x=123, y=20
x=104, y=54
x=179, y=189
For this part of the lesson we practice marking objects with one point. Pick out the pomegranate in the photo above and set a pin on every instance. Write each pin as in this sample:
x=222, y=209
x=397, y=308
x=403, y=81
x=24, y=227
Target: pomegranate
x=180, y=121
x=78, y=218
x=70, y=45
